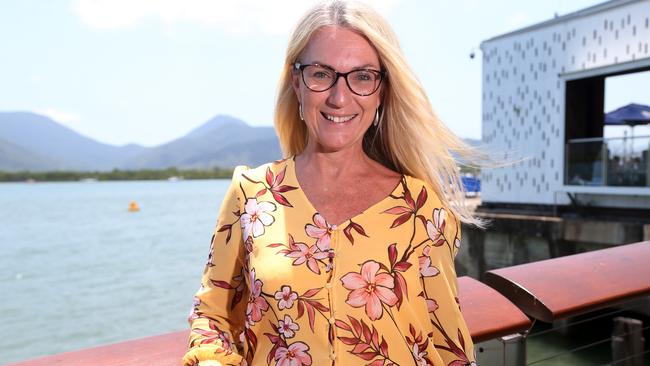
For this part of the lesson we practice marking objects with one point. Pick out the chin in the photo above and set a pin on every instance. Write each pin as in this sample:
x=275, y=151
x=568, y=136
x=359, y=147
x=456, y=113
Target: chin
x=333, y=145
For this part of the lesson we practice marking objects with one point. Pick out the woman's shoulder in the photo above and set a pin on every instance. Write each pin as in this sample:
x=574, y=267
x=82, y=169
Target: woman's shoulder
x=441, y=215
x=265, y=173
x=420, y=190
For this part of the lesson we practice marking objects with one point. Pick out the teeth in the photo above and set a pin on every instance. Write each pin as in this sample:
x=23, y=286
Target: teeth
x=342, y=119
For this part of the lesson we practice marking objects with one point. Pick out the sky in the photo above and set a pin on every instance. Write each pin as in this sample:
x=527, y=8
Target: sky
x=149, y=71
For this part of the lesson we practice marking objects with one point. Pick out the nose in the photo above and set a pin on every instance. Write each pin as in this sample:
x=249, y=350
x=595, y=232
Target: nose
x=339, y=93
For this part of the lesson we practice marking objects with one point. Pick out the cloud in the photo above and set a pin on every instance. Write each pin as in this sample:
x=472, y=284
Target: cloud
x=232, y=16
x=58, y=116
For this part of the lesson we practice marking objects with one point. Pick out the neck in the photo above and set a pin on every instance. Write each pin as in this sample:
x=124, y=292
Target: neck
x=332, y=166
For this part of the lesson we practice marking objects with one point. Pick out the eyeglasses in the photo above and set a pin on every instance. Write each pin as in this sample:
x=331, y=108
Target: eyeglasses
x=320, y=78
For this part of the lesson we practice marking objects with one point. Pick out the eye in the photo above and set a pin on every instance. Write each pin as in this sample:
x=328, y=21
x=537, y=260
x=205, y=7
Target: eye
x=364, y=76
x=319, y=73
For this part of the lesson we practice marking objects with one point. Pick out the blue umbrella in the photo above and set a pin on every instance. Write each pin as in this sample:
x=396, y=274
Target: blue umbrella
x=630, y=115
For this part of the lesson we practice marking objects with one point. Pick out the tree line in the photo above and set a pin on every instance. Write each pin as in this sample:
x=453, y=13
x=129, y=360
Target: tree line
x=116, y=174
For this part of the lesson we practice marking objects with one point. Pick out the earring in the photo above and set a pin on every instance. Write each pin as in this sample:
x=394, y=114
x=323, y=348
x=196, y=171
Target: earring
x=302, y=118
x=375, y=122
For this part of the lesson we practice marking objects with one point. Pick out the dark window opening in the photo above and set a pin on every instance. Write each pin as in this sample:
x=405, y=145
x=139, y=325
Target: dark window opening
x=602, y=148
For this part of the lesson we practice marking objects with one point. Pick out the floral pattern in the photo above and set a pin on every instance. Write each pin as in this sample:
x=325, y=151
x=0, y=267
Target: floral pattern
x=256, y=217
x=303, y=253
x=426, y=269
x=257, y=304
x=321, y=231
x=294, y=290
x=285, y=298
x=293, y=355
x=287, y=327
x=370, y=289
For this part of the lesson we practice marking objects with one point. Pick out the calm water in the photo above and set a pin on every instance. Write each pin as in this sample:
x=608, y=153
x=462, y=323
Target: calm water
x=78, y=270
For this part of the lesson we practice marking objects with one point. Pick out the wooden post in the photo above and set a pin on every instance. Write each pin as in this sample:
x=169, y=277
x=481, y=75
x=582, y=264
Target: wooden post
x=627, y=342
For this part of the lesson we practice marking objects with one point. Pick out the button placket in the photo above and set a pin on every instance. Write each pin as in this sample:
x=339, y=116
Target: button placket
x=329, y=286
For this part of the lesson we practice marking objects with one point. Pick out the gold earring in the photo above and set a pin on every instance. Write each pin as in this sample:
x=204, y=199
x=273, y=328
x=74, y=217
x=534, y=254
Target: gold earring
x=375, y=122
x=302, y=118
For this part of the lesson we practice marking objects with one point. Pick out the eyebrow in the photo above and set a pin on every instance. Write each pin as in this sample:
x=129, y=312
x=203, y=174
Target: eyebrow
x=366, y=66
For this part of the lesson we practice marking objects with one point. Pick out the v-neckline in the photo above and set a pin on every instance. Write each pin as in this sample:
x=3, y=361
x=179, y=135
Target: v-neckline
x=292, y=170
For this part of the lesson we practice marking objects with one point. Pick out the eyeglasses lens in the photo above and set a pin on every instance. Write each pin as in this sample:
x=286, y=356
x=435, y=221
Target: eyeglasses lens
x=362, y=82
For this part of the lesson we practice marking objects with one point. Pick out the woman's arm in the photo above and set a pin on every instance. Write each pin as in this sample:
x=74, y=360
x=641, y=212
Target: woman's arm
x=219, y=305
x=451, y=336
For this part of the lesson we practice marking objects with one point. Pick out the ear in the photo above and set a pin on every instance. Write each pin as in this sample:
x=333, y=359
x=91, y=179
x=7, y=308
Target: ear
x=295, y=82
x=382, y=94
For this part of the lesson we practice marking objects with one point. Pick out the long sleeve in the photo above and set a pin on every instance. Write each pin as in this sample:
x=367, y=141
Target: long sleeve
x=451, y=337
x=219, y=305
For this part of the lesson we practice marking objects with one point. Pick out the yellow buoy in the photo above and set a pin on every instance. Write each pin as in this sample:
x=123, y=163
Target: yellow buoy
x=133, y=207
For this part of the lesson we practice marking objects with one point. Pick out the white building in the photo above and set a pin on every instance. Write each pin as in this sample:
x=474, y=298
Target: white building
x=543, y=101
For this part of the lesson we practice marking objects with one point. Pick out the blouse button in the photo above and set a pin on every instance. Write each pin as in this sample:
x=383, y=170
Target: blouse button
x=333, y=355
x=328, y=285
x=332, y=320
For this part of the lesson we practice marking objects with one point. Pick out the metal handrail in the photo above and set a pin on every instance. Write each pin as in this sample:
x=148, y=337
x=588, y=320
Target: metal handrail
x=603, y=139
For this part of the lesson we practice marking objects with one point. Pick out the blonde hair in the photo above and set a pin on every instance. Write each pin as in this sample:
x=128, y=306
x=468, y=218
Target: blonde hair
x=410, y=138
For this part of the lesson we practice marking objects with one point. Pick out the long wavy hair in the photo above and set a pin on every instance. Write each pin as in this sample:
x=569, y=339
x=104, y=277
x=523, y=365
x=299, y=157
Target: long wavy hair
x=410, y=138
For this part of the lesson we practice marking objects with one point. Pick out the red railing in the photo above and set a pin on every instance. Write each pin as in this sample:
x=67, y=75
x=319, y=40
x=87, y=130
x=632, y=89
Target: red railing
x=162, y=350
x=576, y=284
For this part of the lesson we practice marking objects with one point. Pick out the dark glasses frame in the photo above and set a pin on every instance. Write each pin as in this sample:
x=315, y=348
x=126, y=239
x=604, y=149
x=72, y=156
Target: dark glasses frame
x=301, y=67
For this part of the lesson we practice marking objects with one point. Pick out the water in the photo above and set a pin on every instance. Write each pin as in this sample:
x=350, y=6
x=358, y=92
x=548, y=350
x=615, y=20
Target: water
x=78, y=270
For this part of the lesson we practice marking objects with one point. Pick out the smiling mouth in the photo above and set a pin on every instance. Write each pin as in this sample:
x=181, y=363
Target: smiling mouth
x=338, y=119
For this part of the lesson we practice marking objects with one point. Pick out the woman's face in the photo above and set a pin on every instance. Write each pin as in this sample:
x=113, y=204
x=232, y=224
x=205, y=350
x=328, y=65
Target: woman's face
x=337, y=118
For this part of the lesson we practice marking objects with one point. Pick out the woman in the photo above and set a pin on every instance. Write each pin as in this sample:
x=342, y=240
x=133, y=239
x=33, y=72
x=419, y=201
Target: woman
x=343, y=252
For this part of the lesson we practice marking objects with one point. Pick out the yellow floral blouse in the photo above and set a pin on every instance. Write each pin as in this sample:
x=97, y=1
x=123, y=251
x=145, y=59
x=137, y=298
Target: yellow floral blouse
x=284, y=287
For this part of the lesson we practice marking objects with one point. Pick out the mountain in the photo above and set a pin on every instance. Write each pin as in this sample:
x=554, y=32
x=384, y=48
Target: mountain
x=39, y=137
x=222, y=141
x=14, y=157
x=30, y=141
x=216, y=122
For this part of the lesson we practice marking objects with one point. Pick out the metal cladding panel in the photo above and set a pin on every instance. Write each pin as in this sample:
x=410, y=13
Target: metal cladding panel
x=523, y=94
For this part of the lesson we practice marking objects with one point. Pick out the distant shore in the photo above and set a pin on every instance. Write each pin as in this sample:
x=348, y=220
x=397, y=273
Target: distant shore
x=171, y=174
